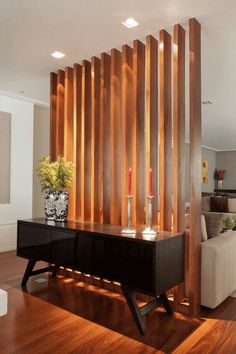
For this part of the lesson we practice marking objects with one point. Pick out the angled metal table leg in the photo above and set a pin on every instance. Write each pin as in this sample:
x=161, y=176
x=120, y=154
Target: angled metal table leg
x=28, y=271
x=139, y=312
x=131, y=301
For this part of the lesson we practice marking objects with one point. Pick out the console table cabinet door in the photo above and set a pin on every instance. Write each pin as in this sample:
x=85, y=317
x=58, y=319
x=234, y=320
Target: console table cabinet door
x=130, y=263
x=34, y=243
x=63, y=248
x=119, y=260
x=83, y=254
x=169, y=264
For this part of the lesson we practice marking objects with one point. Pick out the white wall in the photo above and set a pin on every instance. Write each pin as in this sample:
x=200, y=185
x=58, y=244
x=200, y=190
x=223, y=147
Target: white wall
x=20, y=207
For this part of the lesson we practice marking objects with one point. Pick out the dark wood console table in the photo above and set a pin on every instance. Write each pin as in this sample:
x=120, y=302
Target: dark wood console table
x=149, y=265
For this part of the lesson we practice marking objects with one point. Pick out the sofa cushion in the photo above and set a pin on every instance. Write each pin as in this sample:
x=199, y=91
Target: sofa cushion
x=206, y=203
x=232, y=205
x=219, y=204
x=214, y=224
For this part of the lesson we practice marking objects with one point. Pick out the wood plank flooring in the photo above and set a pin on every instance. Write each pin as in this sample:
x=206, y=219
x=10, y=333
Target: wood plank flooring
x=67, y=316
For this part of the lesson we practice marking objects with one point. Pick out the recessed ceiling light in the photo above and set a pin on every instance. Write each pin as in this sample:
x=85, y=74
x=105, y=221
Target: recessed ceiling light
x=58, y=55
x=129, y=23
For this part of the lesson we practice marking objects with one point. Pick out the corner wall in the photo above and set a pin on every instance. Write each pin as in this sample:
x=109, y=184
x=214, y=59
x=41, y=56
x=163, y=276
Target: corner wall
x=226, y=160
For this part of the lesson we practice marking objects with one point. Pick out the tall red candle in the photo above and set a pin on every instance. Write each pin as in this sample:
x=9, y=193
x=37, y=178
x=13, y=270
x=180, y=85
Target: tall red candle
x=150, y=181
x=129, y=181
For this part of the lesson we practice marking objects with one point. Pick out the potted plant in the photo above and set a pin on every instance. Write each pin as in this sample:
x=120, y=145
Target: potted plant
x=47, y=174
x=229, y=223
x=55, y=177
x=63, y=180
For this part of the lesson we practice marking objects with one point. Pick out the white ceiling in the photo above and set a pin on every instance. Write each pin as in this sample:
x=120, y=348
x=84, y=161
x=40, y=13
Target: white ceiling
x=31, y=30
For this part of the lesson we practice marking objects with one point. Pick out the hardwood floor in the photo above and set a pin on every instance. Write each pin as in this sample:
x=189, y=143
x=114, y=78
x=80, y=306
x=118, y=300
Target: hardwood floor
x=66, y=316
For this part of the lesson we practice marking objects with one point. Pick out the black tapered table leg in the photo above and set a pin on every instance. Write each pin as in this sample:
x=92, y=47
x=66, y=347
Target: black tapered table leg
x=139, y=312
x=131, y=301
x=166, y=304
x=54, y=271
x=28, y=271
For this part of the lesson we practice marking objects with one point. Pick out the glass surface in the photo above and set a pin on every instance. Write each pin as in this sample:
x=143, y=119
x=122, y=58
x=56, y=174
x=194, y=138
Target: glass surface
x=5, y=157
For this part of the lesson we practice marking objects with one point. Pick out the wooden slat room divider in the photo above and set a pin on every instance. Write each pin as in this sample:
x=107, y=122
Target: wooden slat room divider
x=104, y=118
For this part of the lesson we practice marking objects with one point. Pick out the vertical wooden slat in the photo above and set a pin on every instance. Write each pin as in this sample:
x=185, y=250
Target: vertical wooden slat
x=69, y=135
x=195, y=165
x=105, y=112
x=77, y=97
x=95, y=140
x=86, y=142
x=179, y=128
x=138, y=153
x=53, y=115
x=60, y=112
x=152, y=119
x=179, y=140
x=127, y=115
x=115, y=148
x=166, y=173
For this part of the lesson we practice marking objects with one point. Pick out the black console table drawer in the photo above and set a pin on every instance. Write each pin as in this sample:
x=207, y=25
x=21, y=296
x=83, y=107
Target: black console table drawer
x=34, y=242
x=63, y=248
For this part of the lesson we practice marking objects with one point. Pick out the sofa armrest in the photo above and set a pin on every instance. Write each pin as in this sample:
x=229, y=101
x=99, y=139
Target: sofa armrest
x=218, y=269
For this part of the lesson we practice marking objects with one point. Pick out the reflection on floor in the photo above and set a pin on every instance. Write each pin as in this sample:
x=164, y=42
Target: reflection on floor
x=66, y=316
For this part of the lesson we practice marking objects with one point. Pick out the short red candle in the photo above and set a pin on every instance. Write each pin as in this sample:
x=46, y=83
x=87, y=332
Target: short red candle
x=150, y=181
x=129, y=181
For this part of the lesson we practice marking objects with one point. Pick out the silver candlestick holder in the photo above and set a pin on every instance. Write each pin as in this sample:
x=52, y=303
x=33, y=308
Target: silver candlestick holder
x=129, y=229
x=148, y=229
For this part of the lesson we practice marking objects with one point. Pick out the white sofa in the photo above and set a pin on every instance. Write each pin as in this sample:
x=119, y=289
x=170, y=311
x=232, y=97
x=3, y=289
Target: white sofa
x=3, y=302
x=218, y=269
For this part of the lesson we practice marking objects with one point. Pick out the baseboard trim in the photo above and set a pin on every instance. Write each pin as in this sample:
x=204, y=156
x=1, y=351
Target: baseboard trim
x=6, y=246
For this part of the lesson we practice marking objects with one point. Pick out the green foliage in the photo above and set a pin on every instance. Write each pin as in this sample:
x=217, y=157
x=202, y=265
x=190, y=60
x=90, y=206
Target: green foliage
x=229, y=223
x=64, y=173
x=55, y=175
x=47, y=173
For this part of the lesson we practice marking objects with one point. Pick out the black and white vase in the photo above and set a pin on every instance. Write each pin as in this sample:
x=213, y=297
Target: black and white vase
x=49, y=204
x=61, y=204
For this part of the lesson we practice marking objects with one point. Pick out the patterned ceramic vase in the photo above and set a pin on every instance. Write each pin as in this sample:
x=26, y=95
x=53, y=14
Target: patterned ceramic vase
x=61, y=203
x=49, y=204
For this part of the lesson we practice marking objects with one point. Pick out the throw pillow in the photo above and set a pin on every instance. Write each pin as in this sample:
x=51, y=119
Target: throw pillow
x=219, y=204
x=232, y=205
x=214, y=224
x=203, y=228
x=206, y=205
